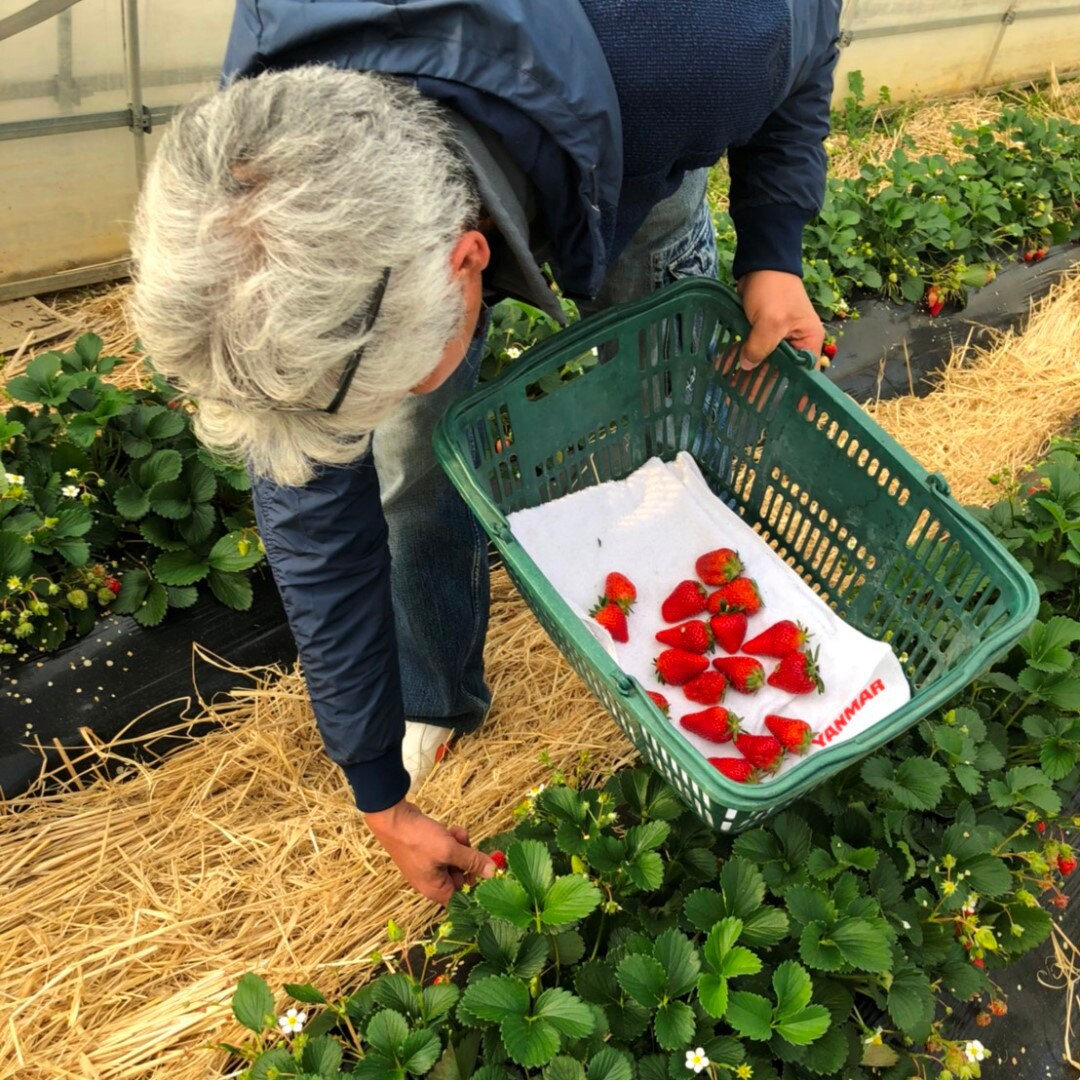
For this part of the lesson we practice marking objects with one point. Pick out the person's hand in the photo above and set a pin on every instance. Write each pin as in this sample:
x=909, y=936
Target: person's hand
x=779, y=310
x=434, y=860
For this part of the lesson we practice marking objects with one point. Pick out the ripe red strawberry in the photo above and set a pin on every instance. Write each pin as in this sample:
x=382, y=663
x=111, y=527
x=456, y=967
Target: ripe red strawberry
x=829, y=350
x=738, y=595
x=979, y=962
x=686, y=601
x=935, y=309
x=719, y=567
x=660, y=702
x=707, y=688
x=762, y=751
x=738, y=769
x=779, y=640
x=729, y=629
x=693, y=636
x=612, y=618
x=1066, y=864
x=619, y=589
x=743, y=672
x=1029, y=255
x=499, y=859
x=1040, y=827
x=795, y=735
x=797, y=673
x=1041, y=254
x=716, y=724
x=998, y=1007
x=113, y=585
x=677, y=666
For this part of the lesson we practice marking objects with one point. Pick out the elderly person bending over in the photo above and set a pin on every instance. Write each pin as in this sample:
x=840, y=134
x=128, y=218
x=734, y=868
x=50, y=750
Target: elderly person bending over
x=317, y=242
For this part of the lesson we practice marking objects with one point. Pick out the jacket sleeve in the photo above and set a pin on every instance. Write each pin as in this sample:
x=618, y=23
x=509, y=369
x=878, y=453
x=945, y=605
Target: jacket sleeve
x=778, y=176
x=327, y=547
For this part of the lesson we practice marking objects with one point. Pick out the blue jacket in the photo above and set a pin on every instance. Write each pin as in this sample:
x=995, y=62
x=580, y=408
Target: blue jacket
x=604, y=105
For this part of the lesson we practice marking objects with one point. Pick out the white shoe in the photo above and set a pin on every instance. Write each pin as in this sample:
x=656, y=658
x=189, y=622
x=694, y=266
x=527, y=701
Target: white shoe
x=423, y=746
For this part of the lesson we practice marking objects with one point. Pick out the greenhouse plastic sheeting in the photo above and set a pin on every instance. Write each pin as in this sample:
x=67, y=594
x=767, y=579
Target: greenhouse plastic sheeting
x=67, y=198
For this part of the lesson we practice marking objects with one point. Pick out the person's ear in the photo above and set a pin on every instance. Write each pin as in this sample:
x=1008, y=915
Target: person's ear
x=471, y=253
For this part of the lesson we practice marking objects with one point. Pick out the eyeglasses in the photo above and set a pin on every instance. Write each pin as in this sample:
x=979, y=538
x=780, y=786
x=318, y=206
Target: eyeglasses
x=366, y=322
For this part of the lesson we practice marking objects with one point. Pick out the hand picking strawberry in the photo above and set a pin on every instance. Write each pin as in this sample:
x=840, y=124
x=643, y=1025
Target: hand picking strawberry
x=797, y=673
x=693, y=636
x=779, y=640
x=745, y=674
x=677, y=666
x=686, y=600
x=719, y=567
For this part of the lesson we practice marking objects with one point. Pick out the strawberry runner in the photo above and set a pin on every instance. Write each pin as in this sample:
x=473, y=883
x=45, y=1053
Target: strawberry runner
x=653, y=526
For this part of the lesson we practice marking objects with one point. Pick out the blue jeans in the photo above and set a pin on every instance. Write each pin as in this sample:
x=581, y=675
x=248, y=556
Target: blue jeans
x=439, y=575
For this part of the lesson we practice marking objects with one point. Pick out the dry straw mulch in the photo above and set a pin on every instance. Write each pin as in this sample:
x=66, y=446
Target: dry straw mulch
x=929, y=124
x=996, y=406
x=129, y=909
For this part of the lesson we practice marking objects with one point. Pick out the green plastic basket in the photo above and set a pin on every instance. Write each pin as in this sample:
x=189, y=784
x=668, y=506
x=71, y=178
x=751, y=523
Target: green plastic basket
x=875, y=535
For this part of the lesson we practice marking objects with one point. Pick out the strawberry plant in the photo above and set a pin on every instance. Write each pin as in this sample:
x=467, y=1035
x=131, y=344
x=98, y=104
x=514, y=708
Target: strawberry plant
x=108, y=503
x=921, y=229
x=624, y=940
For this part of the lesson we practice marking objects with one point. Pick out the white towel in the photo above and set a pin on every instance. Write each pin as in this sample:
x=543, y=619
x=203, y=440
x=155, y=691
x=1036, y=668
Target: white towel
x=652, y=526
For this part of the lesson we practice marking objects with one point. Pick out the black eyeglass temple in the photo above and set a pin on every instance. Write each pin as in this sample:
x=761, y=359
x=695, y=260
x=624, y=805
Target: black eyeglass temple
x=354, y=360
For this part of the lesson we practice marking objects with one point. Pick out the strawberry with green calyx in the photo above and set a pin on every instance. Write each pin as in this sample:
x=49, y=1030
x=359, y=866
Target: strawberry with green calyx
x=779, y=640
x=677, y=666
x=719, y=567
x=741, y=594
x=686, y=600
x=728, y=630
x=797, y=673
x=795, y=735
x=745, y=674
x=499, y=859
x=619, y=589
x=715, y=724
x=829, y=349
x=693, y=636
x=612, y=618
x=660, y=702
x=762, y=751
x=1066, y=864
x=738, y=769
x=706, y=689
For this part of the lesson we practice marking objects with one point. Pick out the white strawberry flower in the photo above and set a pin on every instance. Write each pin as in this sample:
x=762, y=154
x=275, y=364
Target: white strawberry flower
x=14, y=479
x=696, y=1060
x=974, y=1051
x=292, y=1023
x=73, y=473
x=513, y=352
x=875, y=1039
x=532, y=793
x=70, y=490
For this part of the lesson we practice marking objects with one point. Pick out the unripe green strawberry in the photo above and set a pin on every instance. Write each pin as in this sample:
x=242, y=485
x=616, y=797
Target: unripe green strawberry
x=105, y=596
x=78, y=599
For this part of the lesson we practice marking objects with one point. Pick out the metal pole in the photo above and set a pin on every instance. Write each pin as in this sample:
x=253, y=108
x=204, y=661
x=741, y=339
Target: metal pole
x=1006, y=21
x=133, y=73
x=67, y=90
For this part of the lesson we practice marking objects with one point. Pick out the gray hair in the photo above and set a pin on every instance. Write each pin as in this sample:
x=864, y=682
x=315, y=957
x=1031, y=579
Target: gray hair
x=270, y=210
